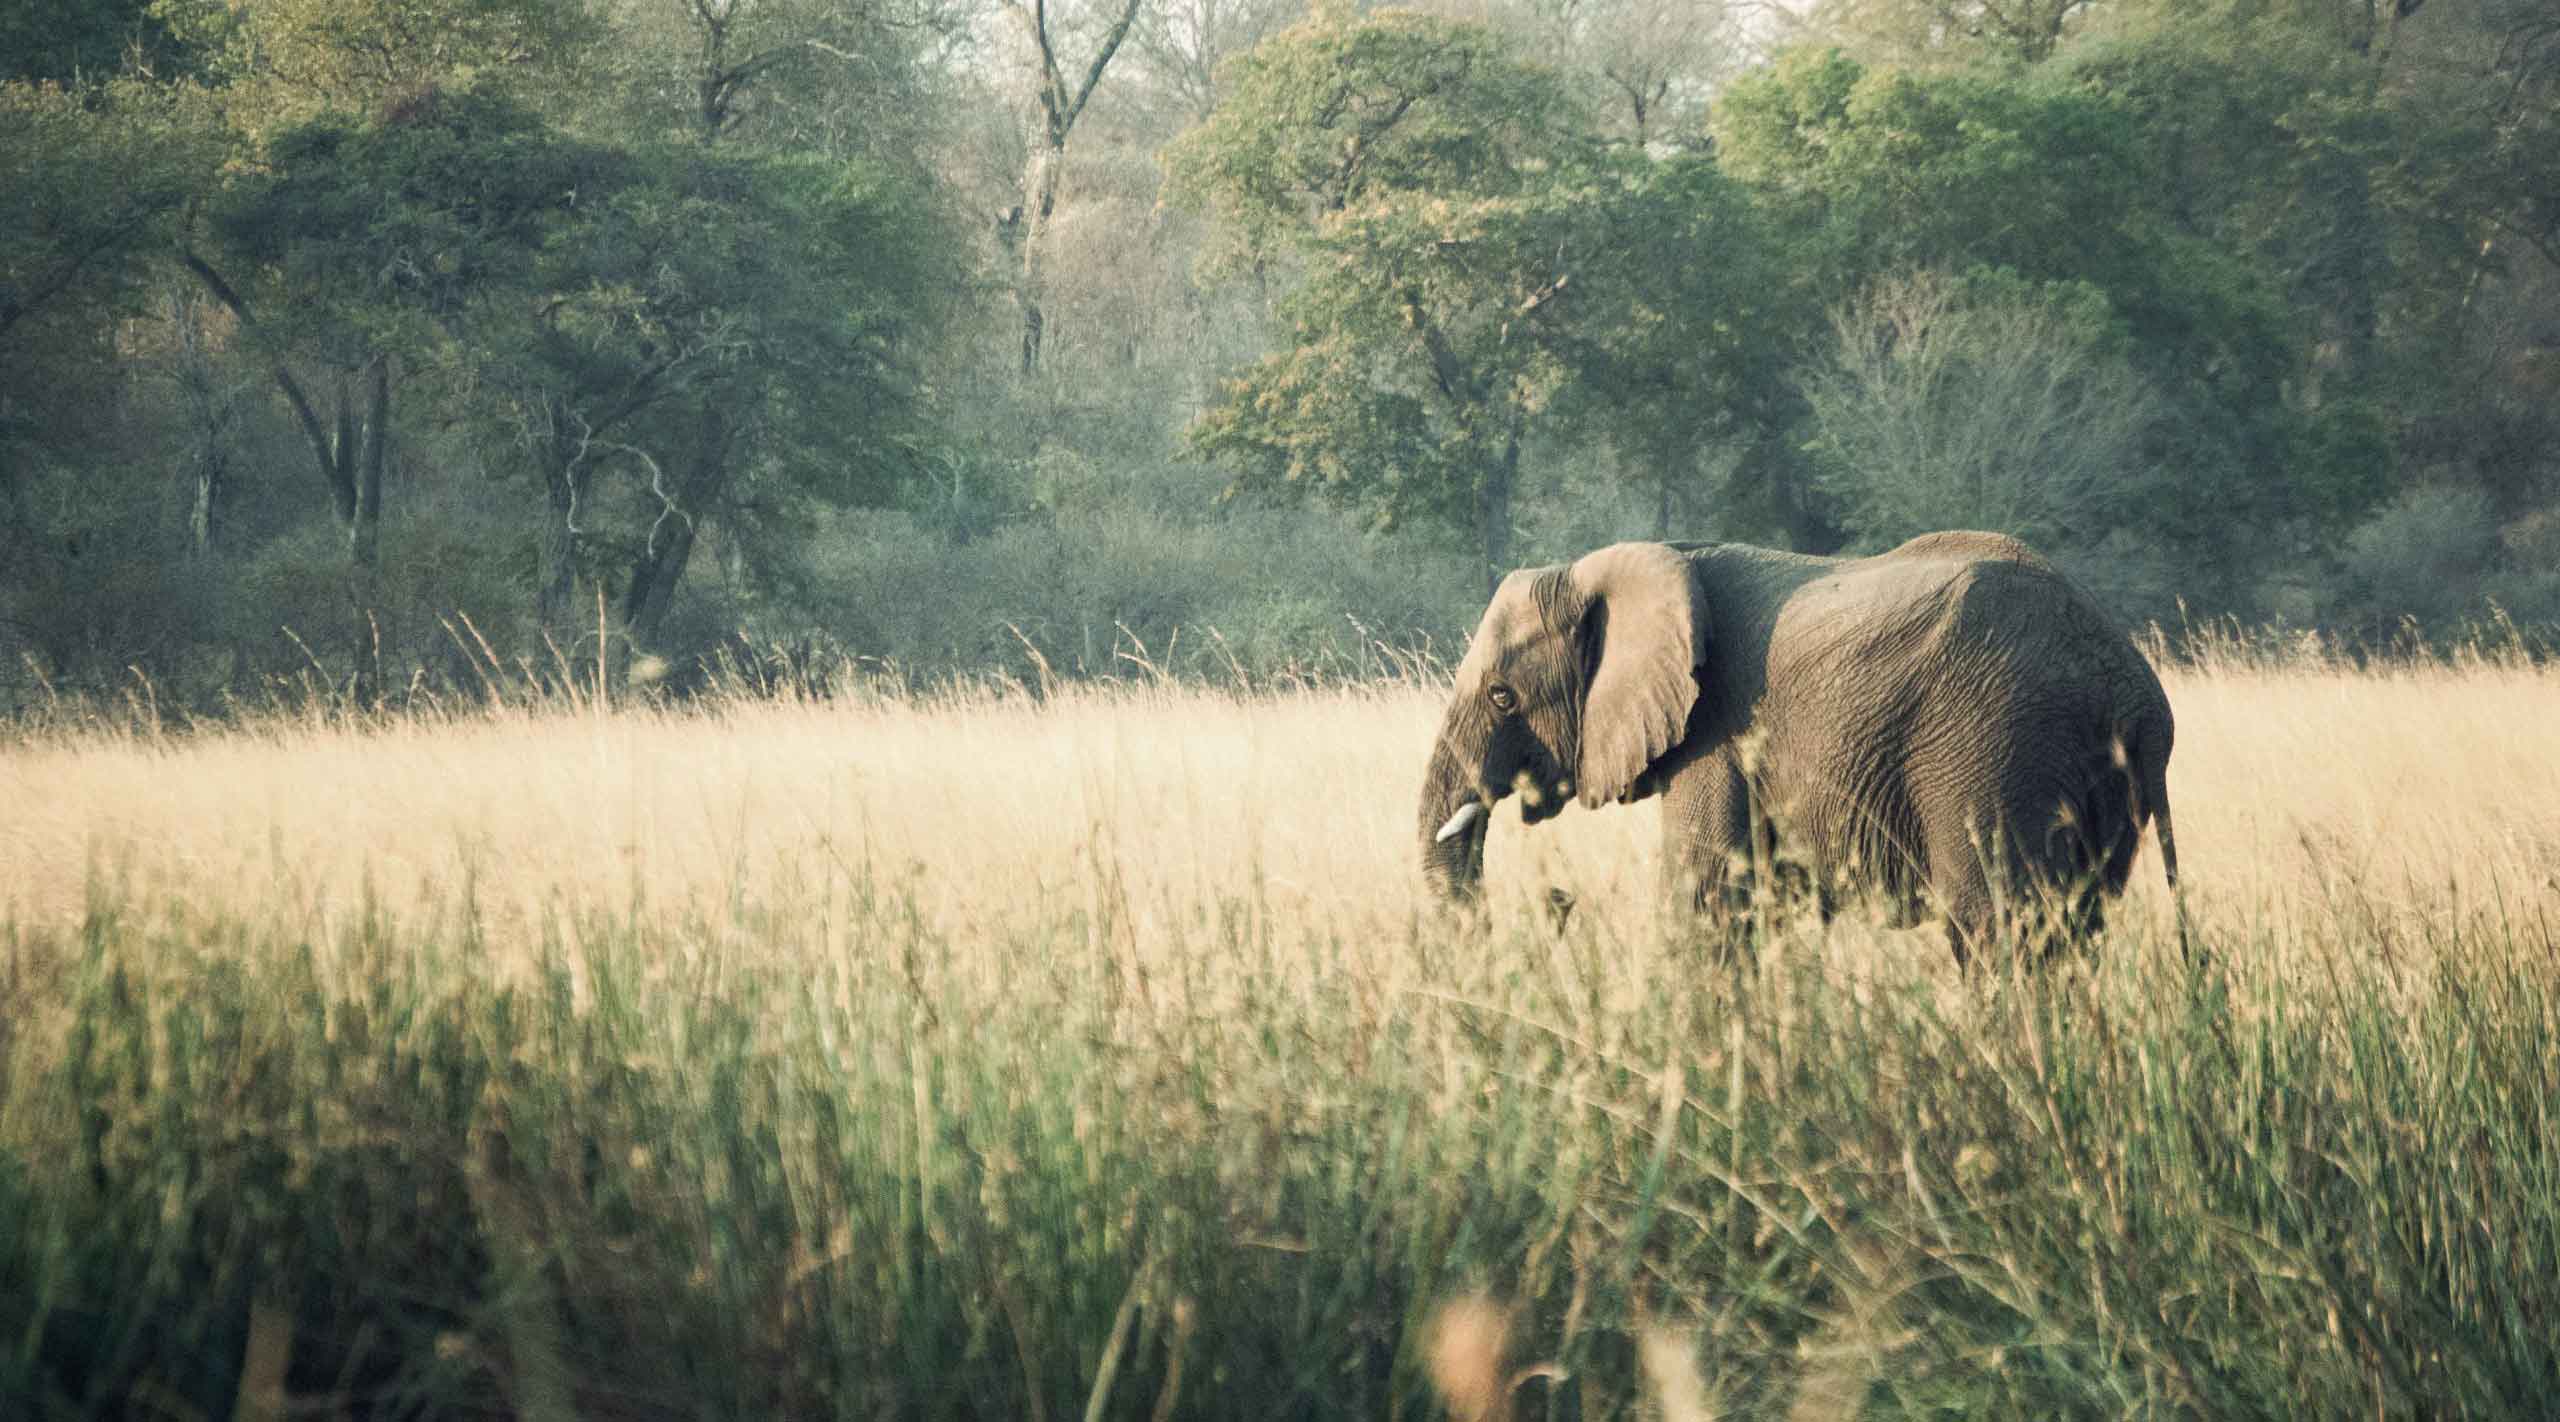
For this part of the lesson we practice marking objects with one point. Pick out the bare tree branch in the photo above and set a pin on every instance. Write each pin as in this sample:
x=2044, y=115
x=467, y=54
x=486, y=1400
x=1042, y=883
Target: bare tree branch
x=1102, y=58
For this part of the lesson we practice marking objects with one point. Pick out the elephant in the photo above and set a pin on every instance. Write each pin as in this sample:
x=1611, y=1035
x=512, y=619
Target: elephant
x=1953, y=723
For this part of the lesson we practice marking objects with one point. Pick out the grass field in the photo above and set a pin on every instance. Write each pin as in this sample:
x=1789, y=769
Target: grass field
x=1099, y=1056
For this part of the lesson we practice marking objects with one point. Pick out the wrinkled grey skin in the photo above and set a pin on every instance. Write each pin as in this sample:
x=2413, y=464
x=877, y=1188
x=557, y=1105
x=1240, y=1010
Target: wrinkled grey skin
x=1952, y=723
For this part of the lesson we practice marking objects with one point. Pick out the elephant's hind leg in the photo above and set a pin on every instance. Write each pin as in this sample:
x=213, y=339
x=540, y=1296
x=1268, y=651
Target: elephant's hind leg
x=1959, y=865
x=1997, y=895
x=2089, y=850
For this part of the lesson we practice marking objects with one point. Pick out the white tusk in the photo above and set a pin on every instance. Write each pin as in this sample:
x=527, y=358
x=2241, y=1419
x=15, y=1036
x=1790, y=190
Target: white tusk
x=1468, y=814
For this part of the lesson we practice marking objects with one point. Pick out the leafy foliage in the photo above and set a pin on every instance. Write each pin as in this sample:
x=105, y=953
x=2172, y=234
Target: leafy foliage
x=81, y=41
x=93, y=183
x=396, y=232
x=90, y=180
x=283, y=62
x=1434, y=193
x=1475, y=266
x=2045, y=179
x=722, y=330
x=1345, y=111
x=1695, y=322
x=648, y=284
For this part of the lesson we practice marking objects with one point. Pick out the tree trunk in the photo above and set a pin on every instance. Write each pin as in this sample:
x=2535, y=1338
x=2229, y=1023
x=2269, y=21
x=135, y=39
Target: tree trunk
x=204, y=499
x=210, y=409
x=364, y=514
x=1060, y=105
x=1493, y=506
x=559, y=570
x=1039, y=200
x=654, y=580
x=350, y=451
x=342, y=453
x=334, y=457
x=363, y=467
x=660, y=569
x=564, y=478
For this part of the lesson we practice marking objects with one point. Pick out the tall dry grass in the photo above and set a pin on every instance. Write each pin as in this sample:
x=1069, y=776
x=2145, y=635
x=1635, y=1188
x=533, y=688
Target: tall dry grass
x=1098, y=1054
x=2428, y=791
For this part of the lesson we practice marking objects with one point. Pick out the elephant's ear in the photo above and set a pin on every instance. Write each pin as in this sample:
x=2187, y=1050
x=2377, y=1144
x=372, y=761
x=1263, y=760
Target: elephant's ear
x=1644, y=634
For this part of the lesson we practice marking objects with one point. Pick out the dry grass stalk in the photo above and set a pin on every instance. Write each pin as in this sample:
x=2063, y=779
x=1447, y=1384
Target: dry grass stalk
x=1668, y=1358
x=1195, y=828
x=2433, y=792
x=1466, y=1351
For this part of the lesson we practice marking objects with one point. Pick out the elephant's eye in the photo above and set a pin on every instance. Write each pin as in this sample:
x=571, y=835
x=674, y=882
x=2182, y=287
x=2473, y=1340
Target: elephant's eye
x=1502, y=699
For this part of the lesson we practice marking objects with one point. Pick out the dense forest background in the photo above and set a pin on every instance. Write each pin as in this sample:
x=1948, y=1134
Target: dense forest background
x=396, y=345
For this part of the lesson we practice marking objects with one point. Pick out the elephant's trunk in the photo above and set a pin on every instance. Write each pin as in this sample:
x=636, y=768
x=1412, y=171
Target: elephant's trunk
x=1452, y=862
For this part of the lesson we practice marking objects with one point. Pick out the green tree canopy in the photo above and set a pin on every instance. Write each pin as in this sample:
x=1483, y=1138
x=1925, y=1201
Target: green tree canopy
x=1687, y=345
x=76, y=41
x=359, y=244
x=281, y=62
x=93, y=181
x=1343, y=111
x=720, y=334
x=90, y=180
x=2374, y=198
x=2051, y=180
x=1435, y=194
x=1473, y=266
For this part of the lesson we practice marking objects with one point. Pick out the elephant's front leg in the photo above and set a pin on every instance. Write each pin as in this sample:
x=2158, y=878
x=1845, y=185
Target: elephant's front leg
x=1707, y=853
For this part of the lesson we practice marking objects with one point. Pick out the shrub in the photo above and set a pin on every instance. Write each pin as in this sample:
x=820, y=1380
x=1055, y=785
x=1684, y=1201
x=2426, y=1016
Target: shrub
x=1118, y=591
x=2422, y=556
x=1978, y=402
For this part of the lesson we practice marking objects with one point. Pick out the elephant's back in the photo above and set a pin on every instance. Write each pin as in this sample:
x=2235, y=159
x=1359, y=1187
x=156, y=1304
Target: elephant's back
x=1964, y=603
x=1957, y=671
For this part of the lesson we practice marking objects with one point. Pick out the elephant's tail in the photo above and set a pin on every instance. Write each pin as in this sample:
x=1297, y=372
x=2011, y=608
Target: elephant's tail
x=2168, y=838
x=2148, y=765
x=2141, y=754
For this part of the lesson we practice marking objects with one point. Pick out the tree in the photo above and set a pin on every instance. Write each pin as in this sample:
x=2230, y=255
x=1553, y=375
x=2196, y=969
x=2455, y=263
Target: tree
x=744, y=303
x=1930, y=34
x=89, y=181
x=1435, y=193
x=282, y=62
x=1656, y=58
x=1686, y=345
x=2391, y=179
x=1644, y=67
x=714, y=319
x=1478, y=267
x=354, y=224
x=1180, y=45
x=210, y=401
x=844, y=79
x=2488, y=74
x=92, y=183
x=1983, y=404
x=373, y=245
x=90, y=193
x=1060, y=94
x=1872, y=172
x=77, y=41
